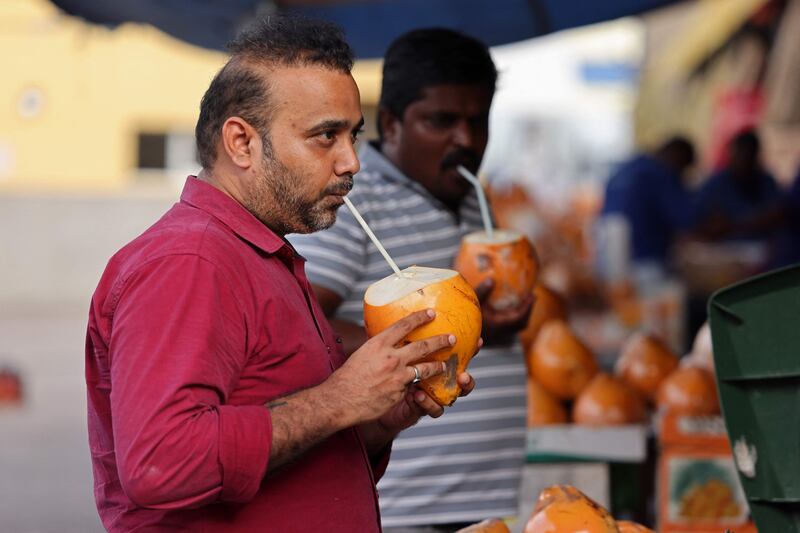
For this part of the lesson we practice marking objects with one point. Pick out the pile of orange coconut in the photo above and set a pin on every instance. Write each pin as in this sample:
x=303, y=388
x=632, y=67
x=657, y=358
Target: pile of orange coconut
x=566, y=385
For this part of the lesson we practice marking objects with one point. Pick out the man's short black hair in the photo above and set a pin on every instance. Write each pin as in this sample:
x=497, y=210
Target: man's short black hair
x=239, y=90
x=679, y=150
x=746, y=142
x=428, y=57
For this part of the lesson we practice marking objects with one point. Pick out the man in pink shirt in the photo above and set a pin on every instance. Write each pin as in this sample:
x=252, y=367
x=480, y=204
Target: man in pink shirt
x=219, y=398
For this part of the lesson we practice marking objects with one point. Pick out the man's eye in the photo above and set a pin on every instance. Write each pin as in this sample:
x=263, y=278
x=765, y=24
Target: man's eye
x=328, y=135
x=441, y=121
x=356, y=134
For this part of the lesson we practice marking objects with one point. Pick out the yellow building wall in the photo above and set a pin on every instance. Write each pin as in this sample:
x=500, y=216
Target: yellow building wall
x=73, y=96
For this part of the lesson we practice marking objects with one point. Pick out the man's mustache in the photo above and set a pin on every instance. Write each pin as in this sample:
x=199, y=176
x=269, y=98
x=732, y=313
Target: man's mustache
x=341, y=188
x=468, y=158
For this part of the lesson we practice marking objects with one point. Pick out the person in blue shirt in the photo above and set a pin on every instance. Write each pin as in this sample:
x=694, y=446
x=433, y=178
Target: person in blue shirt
x=649, y=192
x=787, y=247
x=742, y=201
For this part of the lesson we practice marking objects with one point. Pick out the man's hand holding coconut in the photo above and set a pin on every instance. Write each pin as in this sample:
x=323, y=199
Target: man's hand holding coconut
x=381, y=380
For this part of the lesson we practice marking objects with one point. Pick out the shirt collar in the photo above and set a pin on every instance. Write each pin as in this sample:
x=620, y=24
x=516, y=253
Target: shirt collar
x=216, y=203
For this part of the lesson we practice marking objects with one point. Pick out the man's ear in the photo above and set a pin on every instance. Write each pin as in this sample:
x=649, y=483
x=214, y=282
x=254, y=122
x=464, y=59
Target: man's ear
x=390, y=126
x=240, y=142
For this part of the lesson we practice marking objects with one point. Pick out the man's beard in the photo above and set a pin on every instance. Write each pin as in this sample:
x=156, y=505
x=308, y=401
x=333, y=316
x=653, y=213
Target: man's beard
x=277, y=201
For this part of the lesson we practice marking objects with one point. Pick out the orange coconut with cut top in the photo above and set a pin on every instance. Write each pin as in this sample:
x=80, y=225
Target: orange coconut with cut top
x=507, y=257
x=565, y=509
x=608, y=401
x=544, y=409
x=689, y=391
x=560, y=362
x=548, y=306
x=457, y=312
x=644, y=363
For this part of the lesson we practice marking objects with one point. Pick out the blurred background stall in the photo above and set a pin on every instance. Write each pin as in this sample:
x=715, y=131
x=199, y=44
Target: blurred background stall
x=97, y=136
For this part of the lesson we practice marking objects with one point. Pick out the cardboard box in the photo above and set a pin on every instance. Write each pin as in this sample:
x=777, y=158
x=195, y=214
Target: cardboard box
x=698, y=486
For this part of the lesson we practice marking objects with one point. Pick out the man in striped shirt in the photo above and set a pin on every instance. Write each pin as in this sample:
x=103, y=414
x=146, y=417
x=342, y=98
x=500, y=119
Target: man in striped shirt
x=437, y=90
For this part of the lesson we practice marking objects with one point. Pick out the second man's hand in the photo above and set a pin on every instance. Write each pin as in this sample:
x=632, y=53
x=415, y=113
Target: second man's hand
x=500, y=326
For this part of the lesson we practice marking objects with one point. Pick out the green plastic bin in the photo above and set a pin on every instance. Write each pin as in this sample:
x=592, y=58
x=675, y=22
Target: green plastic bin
x=755, y=330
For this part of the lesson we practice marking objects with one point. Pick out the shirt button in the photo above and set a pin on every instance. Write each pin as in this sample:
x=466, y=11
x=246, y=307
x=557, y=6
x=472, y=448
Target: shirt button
x=328, y=348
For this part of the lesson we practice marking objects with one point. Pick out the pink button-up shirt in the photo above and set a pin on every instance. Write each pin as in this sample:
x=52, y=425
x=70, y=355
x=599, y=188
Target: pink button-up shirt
x=195, y=325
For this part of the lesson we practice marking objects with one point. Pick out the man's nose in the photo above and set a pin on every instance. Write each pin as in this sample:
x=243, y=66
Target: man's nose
x=347, y=160
x=463, y=135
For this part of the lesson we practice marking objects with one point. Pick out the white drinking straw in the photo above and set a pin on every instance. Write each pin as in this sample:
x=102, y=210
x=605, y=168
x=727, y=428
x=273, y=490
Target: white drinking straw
x=487, y=220
x=372, y=236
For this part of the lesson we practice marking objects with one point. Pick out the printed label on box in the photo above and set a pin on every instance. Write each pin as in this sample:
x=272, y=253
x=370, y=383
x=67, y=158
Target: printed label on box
x=705, y=490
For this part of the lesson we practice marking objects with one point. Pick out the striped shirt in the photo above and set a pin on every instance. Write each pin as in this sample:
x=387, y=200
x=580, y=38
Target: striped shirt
x=466, y=465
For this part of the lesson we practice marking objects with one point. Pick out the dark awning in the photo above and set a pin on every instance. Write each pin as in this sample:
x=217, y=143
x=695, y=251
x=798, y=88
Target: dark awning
x=370, y=24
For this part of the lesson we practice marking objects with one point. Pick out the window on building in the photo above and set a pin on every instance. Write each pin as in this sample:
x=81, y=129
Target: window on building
x=165, y=156
x=152, y=151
